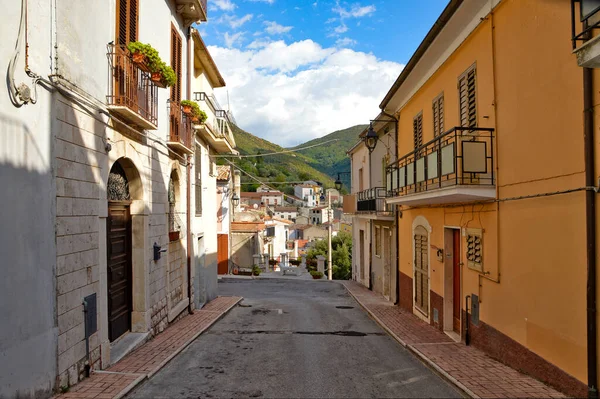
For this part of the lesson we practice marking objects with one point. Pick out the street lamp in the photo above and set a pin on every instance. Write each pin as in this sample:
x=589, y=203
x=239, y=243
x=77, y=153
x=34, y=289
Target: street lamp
x=235, y=200
x=371, y=138
x=338, y=183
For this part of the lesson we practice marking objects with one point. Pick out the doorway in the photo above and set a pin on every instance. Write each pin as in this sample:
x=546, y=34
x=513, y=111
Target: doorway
x=421, y=270
x=222, y=253
x=387, y=261
x=119, y=281
x=452, y=282
x=361, y=256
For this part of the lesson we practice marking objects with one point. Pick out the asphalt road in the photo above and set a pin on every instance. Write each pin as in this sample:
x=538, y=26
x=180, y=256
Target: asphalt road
x=294, y=339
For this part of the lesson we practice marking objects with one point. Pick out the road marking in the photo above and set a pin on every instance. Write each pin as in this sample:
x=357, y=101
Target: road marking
x=406, y=382
x=393, y=372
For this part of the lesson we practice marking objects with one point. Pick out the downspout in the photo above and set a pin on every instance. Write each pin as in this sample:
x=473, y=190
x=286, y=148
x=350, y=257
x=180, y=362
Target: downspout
x=397, y=213
x=188, y=169
x=590, y=219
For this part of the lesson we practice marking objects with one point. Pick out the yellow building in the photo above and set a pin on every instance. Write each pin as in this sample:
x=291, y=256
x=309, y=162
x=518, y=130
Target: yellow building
x=490, y=183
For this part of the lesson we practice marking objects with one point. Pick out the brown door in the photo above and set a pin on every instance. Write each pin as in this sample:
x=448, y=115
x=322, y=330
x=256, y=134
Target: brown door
x=456, y=281
x=361, y=255
x=421, y=270
x=119, y=269
x=223, y=253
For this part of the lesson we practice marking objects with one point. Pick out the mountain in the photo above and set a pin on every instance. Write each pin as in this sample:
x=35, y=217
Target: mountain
x=331, y=157
x=320, y=163
x=278, y=169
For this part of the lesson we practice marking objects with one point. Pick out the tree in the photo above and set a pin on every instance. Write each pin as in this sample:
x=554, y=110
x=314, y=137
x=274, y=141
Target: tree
x=341, y=255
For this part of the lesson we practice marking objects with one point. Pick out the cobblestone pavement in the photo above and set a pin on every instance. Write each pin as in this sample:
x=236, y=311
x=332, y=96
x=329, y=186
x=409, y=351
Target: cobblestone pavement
x=470, y=369
x=148, y=359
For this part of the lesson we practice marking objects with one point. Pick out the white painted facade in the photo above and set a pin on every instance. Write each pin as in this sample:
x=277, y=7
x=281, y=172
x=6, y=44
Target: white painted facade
x=55, y=156
x=307, y=194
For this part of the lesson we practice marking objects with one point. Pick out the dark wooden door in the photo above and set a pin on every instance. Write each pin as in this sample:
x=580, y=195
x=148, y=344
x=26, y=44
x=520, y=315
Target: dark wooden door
x=119, y=269
x=456, y=281
x=223, y=253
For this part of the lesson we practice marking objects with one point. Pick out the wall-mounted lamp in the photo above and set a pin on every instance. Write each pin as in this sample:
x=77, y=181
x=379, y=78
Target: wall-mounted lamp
x=235, y=200
x=338, y=182
x=371, y=137
x=157, y=251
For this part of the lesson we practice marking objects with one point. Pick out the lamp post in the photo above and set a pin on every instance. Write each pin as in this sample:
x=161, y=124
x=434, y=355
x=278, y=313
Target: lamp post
x=329, y=262
x=338, y=183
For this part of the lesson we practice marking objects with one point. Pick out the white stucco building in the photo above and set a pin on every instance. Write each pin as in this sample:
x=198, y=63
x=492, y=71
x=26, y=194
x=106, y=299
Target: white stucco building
x=307, y=194
x=97, y=161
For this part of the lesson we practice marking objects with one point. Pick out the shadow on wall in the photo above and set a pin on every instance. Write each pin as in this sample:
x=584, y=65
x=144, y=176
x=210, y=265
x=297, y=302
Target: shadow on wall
x=27, y=296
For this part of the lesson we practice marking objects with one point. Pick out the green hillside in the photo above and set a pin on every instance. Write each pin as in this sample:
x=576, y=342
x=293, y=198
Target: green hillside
x=331, y=158
x=280, y=170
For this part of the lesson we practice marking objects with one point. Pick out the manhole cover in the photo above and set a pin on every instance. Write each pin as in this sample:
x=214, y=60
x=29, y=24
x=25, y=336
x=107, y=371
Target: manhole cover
x=345, y=307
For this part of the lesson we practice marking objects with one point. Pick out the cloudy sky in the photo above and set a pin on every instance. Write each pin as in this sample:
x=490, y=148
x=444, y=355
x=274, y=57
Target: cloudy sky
x=299, y=69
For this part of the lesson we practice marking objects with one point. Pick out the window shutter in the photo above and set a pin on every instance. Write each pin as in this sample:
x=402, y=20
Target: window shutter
x=438, y=116
x=133, y=20
x=418, y=130
x=467, y=99
x=127, y=21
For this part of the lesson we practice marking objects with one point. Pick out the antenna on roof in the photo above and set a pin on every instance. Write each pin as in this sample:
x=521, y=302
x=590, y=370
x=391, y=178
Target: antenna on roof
x=228, y=106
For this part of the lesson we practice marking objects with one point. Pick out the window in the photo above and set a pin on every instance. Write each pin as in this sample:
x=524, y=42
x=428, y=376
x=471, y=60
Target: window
x=438, y=115
x=127, y=21
x=467, y=98
x=418, y=130
x=198, y=166
x=377, y=241
x=176, y=64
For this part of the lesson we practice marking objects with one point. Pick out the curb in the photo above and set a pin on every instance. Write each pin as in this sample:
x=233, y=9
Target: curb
x=162, y=364
x=412, y=349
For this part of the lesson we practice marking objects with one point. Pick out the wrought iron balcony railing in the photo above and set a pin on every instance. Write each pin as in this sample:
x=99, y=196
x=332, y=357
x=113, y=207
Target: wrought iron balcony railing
x=180, y=132
x=588, y=17
x=131, y=93
x=372, y=200
x=462, y=156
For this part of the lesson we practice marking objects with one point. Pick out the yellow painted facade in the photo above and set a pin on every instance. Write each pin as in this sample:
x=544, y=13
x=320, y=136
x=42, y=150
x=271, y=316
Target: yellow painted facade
x=529, y=89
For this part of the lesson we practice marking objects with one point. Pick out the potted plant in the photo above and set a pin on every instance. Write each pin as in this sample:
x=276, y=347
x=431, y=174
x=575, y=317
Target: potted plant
x=256, y=270
x=164, y=76
x=144, y=56
x=188, y=107
x=316, y=275
x=173, y=235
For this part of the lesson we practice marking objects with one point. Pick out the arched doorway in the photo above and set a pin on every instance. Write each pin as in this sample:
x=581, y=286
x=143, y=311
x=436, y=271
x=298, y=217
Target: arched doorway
x=122, y=187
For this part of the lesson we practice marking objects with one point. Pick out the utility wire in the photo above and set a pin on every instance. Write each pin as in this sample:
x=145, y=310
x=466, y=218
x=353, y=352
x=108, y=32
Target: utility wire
x=273, y=153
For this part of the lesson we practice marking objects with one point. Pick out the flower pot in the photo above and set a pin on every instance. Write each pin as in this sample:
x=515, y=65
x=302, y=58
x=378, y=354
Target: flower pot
x=140, y=60
x=195, y=119
x=187, y=109
x=173, y=235
x=316, y=277
x=157, y=78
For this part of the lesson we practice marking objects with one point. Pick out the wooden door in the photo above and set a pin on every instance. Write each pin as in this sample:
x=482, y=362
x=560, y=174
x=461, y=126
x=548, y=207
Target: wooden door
x=421, y=272
x=119, y=269
x=223, y=253
x=361, y=255
x=456, y=298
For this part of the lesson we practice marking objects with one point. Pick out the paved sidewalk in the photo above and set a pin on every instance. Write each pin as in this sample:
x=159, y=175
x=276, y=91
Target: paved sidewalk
x=477, y=374
x=148, y=359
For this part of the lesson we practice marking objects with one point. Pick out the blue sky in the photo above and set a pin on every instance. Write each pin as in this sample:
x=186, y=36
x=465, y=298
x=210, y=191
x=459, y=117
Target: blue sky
x=297, y=70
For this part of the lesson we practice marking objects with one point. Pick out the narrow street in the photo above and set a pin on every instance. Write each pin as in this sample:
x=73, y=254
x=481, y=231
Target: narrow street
x=294, y=339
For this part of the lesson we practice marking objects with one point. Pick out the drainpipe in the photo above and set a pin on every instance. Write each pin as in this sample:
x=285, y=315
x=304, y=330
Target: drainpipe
x=188, y=169
x=590, y=218
x=397, y=212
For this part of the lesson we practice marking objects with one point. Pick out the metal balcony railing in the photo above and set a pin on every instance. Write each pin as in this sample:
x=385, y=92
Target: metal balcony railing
x=131, y=93
x=460, y=156
x=180, y=126
x=216, y=108
x=372, y=200
x=588, y=16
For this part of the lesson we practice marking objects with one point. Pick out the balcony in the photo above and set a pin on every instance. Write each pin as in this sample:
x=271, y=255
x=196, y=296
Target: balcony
x=585, y=18
x=372, y=201
x=180, y=132
x=192, y=11
x=131, y=93
x=456, y=167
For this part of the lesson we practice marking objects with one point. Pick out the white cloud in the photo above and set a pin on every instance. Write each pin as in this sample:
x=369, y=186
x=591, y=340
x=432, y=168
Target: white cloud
x=345, y=42
x=341, y=29
x=258, y=44
x=273, y=28
x=230, y=40
x=291, y=93
x=355, y=11
x=225, y=5
x=262, y=1
x=237, y=22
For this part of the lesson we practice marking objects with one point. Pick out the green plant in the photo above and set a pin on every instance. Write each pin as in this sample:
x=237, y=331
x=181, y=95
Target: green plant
x=64, y=388
x=194, y=105
x=295, y=262
x=168, y=75
x=202, y=116
x=272, y=262
x=153, y=60
x=256, y=270
x=316, y=274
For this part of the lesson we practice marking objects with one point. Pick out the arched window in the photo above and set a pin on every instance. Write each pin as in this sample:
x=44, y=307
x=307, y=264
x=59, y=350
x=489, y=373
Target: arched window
x=173, y=194
x=117, y=188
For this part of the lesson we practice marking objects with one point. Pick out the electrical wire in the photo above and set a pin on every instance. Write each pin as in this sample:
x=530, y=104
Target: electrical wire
x=274, y=153
x=13, y=91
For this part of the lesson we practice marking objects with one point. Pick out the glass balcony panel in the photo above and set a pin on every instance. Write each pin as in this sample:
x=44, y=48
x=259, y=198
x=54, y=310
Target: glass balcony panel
x=394, y=179
x=448, y=159
x=432, y=165
x=410, y=173
x=474, y=156
x=420, y=170
x=402, y=175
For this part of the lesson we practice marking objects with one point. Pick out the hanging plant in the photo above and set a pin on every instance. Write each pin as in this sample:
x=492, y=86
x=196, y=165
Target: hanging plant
x=144, y=56
x=190, y=108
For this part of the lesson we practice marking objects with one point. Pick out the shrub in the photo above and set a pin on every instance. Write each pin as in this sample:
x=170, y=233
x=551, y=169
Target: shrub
x=316, y=274
x=272, y=262
x=256, y=270
x=295, y=262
